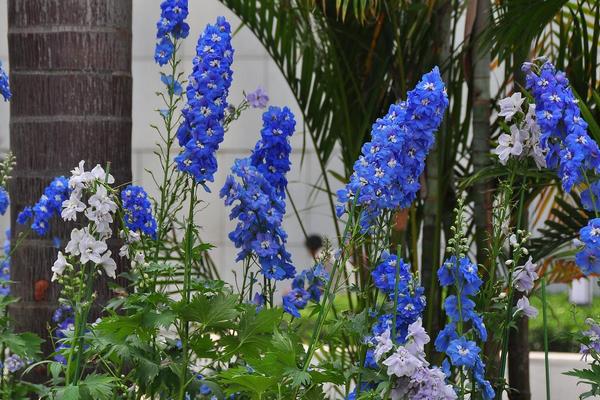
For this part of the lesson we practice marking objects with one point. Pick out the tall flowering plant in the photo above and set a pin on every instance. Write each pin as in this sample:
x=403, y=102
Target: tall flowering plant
x=17, y=350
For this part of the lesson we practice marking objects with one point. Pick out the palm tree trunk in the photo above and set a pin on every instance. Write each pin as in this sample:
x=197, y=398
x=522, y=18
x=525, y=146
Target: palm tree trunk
x=518, y=359
x=480, y=94
x=434, y=198
x=518, y=340
x=70, y=71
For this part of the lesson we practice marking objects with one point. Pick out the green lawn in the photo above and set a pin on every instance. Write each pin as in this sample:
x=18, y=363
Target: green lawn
x=564, y=319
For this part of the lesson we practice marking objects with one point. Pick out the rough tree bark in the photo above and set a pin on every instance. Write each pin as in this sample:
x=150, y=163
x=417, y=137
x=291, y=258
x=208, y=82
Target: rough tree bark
x=480, y=95
x=435, y=197
x=518, y=339
x=70, y=71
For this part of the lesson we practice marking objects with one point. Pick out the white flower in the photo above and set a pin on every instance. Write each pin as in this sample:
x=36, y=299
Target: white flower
x=59, y=266
x=109, y=265
x=139, y=258
x=99, y=174
x=124, y=251
x=538, y=155
x=79, y=177
x=71, y=207
x=417, y=338
x=102, y=202
x=510, y=145
x=91, y=249
x=528, y=310
x=402, y=363
x=384, y=344
x=76, y=236
x=509, y=106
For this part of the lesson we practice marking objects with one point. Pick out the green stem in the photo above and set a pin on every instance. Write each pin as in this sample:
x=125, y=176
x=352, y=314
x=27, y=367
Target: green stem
x=510, y=296
x=544, y=316
x=187, y=277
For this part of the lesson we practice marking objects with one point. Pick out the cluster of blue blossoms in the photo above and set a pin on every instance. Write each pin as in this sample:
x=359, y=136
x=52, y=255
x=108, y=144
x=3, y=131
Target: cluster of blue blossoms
x=259, y=211
x=47, y=206
x=170, y=26
x=5, y=267
x=64, y=318
x=410, y=301
x=4, y=200
x=202, y=130
x=138, y=210
x=260, y=196
x=571, y=151
x=386, y=175
x=306, y=286
x=271, y=155
x=588, y=258
x=564, y=132
x=463, y=276
x=4, y=86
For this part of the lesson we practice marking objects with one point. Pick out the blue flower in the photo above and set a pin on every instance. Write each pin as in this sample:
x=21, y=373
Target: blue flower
x=463, y=352
x=479, y=374
x=445, y=336
x=590, y=234
x=47, y=206
x=259, y=301
x=5, y=267
x=4, y=86
x=384, y=275
x=410, y=300
x=386, y=175
x=259, y=211
x=463, y=273
x=171, y=83
x=64, y=318
x=564, y=132
x=459, y=311
x=463, y=276
x=4, y=200
x=137, y=210
x=164, y=51
x=169, y=27
x=315, y=278
x=587, y=194
x=588, y=260
x=201, y=131
x=271, y=155
x=294, y=301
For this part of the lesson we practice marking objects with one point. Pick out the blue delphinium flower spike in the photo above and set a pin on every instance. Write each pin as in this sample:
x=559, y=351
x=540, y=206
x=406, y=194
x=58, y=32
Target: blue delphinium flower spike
x=170, y=26
x=4, y=86
x=202, y=130
x=47, y=206
x=138, y=210
x=386, y=175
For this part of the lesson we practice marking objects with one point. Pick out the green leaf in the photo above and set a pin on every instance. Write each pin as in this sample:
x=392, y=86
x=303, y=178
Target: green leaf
x=252, y=323
x=240, y=379
x=298, y=377
x=98, y=386
x=214, y=312
x=24, y=344
x=68, y=393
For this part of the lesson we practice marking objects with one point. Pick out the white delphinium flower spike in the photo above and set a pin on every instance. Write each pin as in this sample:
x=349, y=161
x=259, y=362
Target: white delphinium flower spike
x=509, y=106
x=510, y=145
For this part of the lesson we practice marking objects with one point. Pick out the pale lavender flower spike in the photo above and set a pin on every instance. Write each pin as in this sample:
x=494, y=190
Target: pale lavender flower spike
x=528, y=310
x=258, y=98
x=525, y=276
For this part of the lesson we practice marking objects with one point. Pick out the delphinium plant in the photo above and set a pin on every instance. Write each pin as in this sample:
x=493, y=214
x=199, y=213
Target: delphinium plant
x=17, y=350
x=590, y=350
